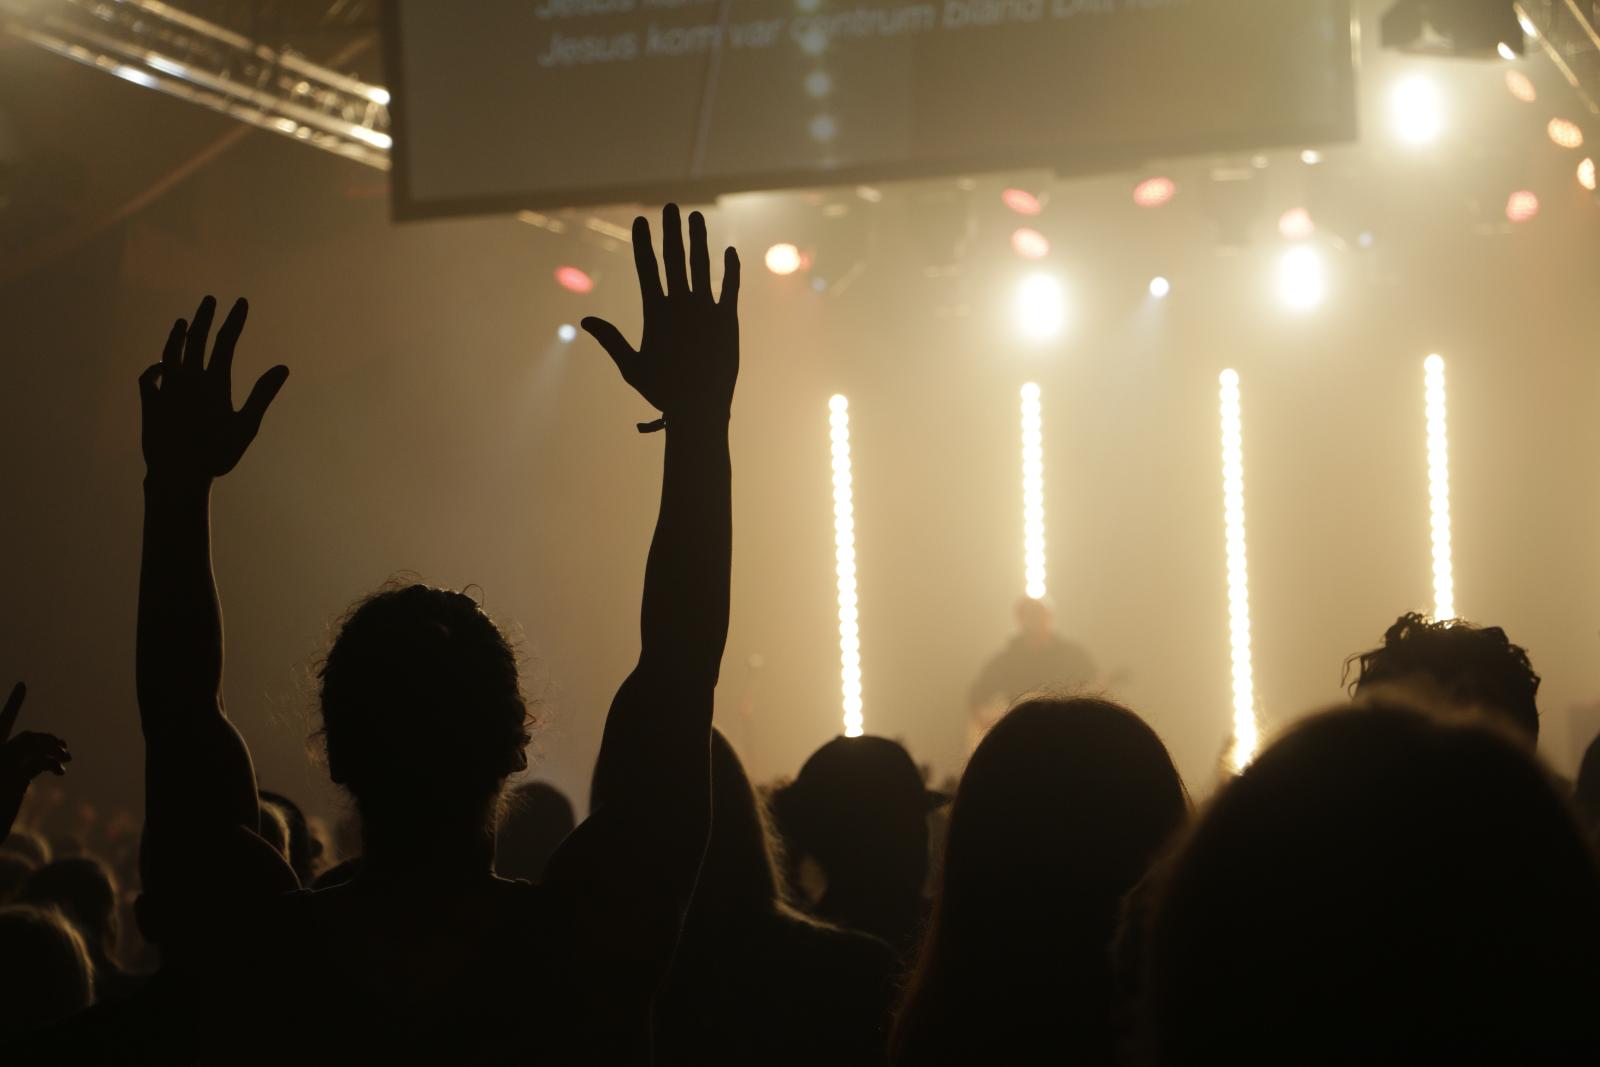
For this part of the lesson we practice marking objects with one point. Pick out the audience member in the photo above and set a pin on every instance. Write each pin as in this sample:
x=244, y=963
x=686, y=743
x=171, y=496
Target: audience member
x=1061, y=810
x=1451, y=663
x=1380, y=885
x=537, y=818
x=754, y=981
x=859, y=809
x=82, y=889
x=45, y=972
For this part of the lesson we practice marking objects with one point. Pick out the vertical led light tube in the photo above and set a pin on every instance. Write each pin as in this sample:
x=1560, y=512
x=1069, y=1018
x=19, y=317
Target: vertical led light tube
x=1033, y=554
x=1444, y=582
x=844, y=556
x=1245, y=730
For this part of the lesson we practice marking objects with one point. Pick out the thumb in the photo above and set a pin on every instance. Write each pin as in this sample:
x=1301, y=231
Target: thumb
x=611, y=339
x=266, y=387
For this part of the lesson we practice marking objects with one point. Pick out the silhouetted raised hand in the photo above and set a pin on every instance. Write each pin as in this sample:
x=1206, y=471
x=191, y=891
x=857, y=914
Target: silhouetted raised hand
x=23, y=758
x=190, y=427
x=688, y=358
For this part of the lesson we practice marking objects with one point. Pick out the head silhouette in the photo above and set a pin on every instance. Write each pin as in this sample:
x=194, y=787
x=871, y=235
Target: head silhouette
x=1379, y=879
x=47, y=975
x=740, y=873
x=1061, y=810
x=422, y=713
x=537, y=818
x=84, y=891
x=1586, y=791
x=300, y=847
x=1454, y=663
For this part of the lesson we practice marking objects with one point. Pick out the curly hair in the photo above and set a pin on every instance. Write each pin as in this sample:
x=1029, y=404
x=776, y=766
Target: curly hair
x=420, y=689
x=1474, y=665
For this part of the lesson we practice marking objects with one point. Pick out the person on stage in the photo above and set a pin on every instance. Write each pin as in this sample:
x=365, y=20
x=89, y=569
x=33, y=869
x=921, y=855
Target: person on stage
x=1035, y=658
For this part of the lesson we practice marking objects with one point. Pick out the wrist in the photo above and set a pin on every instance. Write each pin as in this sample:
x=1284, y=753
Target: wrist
x=167, y=483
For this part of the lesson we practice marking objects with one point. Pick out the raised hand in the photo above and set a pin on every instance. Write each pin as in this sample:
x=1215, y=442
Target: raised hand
x=23, y=758
x=688, y=359
x=190, y=427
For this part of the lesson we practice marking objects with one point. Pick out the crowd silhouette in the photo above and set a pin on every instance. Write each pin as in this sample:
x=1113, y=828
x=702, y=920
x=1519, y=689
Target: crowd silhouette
x=1399, y=880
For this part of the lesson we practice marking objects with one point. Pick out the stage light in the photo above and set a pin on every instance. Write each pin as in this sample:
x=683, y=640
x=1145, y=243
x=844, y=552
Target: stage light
x=824, y=128
x=1021, y=201
x=1296, y=224
x=1444, y=587
x=1586, y=176
x=1311, y=157
x=1302, y=281
x=1030, y=244
x=574, y=280
x=566, y=333
x=1153, y=192
x=819, y=83
x=1033, y=571
x=783, y=258
x=1521, y=86
x=1522, y=206
x=844, y=556
x=1507, y=53
x=1246, y=734
x=1565, y=133
x=1416, y=110
x=1527, y=25
x=1041, y=307
x=1160, y=287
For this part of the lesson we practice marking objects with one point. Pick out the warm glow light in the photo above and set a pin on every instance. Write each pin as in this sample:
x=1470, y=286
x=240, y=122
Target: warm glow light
x=1565, y=133
x=1527, y=25
x=1522, y=206
x=1586, y=176
x=1507, y=53
x=1030, y=244
x=844, y=556
x=1160, y=287
x=1302, y=281
x=1041, y=307
x=1444, y=585
x=1245, y=730
x=566, y=333
x=1417, y=110
x=1521, y=86
x=574, y=280
x=783, y=259
x=1296, y=224
x=1021, y=201
x=1311, y=157
x=1153, y=192
x=1032, y=492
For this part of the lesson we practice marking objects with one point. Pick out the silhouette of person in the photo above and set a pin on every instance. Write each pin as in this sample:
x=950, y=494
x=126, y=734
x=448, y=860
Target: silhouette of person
x=22, y=759
x=537, y=818
x=859, y=809
x=300, y=846
x=1059, y=813
x=83, y=890
x=1586, y=791
x=1451, y=663
x=425, y=952
x=45, y=971
x=1380, y=885
x=1036, y=658
x=755, y=981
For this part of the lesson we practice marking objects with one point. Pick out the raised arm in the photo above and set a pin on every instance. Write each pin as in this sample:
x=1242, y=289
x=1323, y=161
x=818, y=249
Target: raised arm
x=198, y=775
x=652, y=778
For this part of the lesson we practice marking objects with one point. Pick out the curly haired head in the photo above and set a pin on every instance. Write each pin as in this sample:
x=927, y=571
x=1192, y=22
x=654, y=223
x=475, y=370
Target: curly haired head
x=1468, y=665
x=420, y=696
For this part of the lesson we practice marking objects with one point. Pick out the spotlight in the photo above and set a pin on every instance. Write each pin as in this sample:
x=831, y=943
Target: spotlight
x=1565, y=133
x=1521, y=86
x=1245, y=731
x=1160, y=287
x=1507, y=53
x=1041, y=307
x=1311, y=157
x=1032, y=492
x=1021, y=201
x=1030, y=244
x=844, y=556
x=1444, y=587
x=1416, y=110
x=824, y=128
x=1296, y=224
x=574, y=280
x=819, y=83
x=1302, y=281
x=783, y=258
x=1522, y=206
x=1586, y=176
x=1153, y=192
x=566, y=333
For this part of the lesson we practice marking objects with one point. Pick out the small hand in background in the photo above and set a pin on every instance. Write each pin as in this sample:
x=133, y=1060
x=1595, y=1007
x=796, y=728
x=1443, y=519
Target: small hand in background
x=23, y=758
x=688, y=359
x=190, y=427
